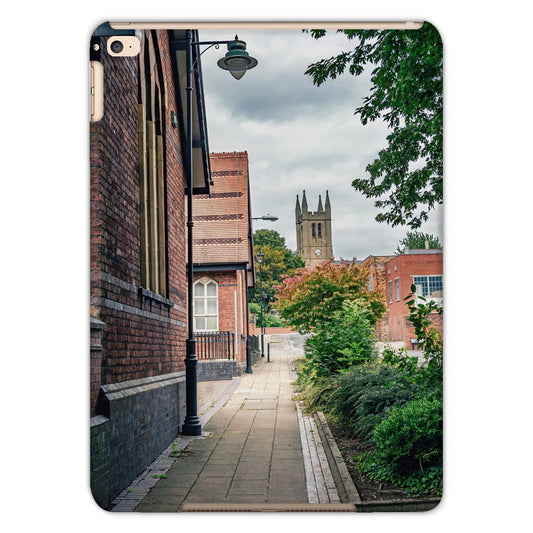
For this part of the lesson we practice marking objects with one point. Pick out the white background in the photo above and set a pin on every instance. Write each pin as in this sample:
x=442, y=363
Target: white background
x=45, y=234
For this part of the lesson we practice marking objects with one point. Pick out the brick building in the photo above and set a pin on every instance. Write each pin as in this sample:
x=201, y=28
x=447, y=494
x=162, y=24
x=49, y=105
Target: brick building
x=423, y=268
x=223, y=257
x=377, y=282
x=138, y=255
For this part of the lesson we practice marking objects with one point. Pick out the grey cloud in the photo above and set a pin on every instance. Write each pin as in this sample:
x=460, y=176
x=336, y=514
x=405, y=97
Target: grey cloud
x=299, y=136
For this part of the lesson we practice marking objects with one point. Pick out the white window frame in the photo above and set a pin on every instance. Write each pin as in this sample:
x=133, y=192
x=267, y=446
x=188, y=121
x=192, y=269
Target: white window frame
x=420, y=289
x=397, y=288
x=389, y=284
x=205, y=298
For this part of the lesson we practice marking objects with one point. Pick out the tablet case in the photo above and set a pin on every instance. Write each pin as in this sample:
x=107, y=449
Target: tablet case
x=176, y=427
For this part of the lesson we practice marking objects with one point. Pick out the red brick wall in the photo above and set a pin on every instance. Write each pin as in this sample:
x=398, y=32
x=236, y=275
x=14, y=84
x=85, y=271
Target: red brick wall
x=231, y=283
x=376, y=269
x=142, y=336
x=405, y=267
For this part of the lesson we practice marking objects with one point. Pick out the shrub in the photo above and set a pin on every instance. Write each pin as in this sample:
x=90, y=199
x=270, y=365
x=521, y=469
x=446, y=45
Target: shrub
x=408, y=449
x=317, y=392
x=411, y=435
x=365, y=395
x=346, y=340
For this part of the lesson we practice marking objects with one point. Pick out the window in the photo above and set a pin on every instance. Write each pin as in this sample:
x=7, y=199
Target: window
x=205, y=305
x=397, y=283
x=313, y=229
x=370, y=282
x=152, y=170
x=319, y=231
x=390, y=291
x=429, y=287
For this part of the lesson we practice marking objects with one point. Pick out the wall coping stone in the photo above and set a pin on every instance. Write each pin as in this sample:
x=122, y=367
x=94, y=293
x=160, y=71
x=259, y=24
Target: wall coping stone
x=124, y=389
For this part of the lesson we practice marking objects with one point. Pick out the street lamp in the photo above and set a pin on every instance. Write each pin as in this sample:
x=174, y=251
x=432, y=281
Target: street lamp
x=260, y=256
x=237, y=61
x=265, y=217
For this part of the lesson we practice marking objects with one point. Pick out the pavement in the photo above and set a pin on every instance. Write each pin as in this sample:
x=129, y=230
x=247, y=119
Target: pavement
x=258, y=449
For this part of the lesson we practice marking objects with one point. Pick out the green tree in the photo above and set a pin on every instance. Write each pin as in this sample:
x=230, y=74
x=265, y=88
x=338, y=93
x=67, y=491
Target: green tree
x=417, y=240
x=406, y=93
x=346, y=340
x=312, y=296
x=278, y=261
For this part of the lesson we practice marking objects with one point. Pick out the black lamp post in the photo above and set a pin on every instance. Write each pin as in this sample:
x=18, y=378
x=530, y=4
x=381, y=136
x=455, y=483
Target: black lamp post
x=260, y=256
x=237, y=61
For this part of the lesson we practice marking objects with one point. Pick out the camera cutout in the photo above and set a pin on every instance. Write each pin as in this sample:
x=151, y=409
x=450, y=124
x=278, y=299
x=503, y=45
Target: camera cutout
x=123, y=46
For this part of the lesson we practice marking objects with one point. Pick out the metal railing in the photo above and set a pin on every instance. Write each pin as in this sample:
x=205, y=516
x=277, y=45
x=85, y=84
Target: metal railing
x=215, y=345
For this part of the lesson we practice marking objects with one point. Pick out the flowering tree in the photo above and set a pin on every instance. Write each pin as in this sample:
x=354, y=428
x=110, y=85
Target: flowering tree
x=311, y=297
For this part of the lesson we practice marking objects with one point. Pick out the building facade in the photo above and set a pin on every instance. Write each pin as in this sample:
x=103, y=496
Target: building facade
x=313, y=231
x=138, y=283
x=223, y=258
x=375, y=264
x=422, y=268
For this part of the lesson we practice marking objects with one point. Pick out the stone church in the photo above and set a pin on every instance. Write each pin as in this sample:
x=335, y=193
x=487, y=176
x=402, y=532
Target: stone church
x=313, y=231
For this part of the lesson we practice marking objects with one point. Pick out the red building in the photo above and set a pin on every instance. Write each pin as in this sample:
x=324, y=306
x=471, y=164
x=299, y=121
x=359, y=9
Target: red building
x=422, y=268
x=223, y=262
x=377, y=282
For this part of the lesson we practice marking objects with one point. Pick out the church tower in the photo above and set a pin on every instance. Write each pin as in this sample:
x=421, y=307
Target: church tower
x=313, y=231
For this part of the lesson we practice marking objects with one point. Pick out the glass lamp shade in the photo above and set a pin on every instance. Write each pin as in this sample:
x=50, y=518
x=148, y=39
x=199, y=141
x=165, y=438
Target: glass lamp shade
x=237, y=60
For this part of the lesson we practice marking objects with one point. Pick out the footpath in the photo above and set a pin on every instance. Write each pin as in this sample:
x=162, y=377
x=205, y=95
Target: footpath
x=258, y=450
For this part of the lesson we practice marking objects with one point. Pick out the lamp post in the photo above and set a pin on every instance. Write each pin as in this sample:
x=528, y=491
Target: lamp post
x=260, y=256
x=265, y=217
x=237, y=61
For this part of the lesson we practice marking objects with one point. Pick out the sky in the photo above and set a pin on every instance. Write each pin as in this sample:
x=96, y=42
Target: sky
x=299, y=136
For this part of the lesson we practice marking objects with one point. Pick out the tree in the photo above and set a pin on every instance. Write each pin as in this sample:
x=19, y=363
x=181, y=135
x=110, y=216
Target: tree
x=417, y=240
x=406, y=92
x=312, y=296
x=278, y=261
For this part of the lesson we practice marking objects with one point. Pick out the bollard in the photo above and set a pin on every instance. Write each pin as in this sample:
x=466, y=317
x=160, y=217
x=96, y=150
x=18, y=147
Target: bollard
x=268, y=353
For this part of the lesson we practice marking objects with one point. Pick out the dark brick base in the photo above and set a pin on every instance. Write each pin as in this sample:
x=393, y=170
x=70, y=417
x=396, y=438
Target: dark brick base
x=139, y=419
x=215, y=370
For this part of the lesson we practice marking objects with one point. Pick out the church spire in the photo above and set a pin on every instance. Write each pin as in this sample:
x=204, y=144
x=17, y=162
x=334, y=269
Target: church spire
x=320, y=208
x=304, y=203
x=328, y=206
x=298, y=210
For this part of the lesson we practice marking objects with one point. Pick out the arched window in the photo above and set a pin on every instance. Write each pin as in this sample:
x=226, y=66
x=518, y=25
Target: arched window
x=313, y=230
x=319, y=231
x=205, y=305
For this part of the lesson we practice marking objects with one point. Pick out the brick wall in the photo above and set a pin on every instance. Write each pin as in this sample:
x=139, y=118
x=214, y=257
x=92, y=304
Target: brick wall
x=404, y=267
x=376, y=270
x=231, y=308
x=144, y=334
x=137, y=336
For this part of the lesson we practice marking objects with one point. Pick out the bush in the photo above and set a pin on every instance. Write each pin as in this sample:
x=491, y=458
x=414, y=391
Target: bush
x=411, y=435
x=364, y=396
x=271, y=319
x=316, y=393
x=346, y=340
x=408, y=449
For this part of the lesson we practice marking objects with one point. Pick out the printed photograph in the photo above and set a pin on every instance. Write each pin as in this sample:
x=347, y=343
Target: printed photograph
x=266, y=267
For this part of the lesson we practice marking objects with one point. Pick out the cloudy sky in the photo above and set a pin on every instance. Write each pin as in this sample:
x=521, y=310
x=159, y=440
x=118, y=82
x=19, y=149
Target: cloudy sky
x=299, y=136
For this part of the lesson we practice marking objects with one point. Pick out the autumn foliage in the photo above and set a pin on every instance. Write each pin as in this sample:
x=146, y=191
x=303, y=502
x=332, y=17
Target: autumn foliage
x=312, y=296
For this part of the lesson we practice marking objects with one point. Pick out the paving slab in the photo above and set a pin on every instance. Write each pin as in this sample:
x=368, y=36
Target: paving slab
x=257, y=447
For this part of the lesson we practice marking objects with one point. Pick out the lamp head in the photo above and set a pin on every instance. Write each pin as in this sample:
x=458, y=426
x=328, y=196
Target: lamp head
x=260, y=256
x=237, y=60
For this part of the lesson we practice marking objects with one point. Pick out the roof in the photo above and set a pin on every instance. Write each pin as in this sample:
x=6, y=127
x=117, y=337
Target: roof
x=221, y=232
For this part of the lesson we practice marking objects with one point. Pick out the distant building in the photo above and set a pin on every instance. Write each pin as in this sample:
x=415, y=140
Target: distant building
x=223, y=263
x=422, y=268
x=313, y=232
x=377, y=282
